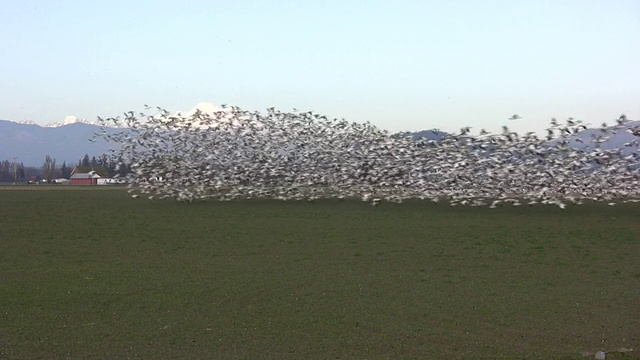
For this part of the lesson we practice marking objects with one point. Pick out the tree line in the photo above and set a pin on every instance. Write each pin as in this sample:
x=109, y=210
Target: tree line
x=14, y=171
x=112, y=166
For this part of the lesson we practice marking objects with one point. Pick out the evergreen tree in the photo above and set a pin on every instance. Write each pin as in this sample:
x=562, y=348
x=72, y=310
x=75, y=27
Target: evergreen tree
x=65, y=171
x=122, y=169
x=85, y=160
x=112, y=166
x=104, y=161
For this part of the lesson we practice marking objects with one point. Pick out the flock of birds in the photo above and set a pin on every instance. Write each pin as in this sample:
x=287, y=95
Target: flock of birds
x=238, y=154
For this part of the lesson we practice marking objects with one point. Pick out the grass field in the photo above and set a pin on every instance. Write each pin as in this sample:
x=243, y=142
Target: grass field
x=96, y=274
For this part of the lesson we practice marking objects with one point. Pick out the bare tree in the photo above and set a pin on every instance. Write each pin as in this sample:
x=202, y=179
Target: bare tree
x=48, y=168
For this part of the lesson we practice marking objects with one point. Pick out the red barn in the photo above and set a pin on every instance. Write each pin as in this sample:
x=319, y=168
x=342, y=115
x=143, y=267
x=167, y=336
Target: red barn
x=87, y=175
x=90, y=178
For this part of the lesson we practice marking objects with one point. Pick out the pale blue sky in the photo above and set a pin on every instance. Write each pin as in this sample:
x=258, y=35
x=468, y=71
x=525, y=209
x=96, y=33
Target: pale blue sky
x=403, y=65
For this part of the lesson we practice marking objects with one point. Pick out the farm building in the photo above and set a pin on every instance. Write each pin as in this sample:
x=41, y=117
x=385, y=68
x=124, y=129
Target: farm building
x=111, y=181
x=90, y=178
x=99, y=170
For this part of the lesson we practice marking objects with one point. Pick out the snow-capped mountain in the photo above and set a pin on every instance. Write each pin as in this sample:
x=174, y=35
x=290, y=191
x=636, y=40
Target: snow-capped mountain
x=68, y=140
x=30, y=144
x=622, y=138
x=67, y=121
x=214, y=111
x=65, y=140
x=145, y=116
x=204, y=107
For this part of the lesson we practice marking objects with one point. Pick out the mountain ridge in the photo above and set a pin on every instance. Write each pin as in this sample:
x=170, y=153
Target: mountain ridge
x=30, y=144
x=69, y=140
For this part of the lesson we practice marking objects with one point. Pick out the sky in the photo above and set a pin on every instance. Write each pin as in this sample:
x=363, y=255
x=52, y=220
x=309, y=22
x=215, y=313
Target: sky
x=401, y=65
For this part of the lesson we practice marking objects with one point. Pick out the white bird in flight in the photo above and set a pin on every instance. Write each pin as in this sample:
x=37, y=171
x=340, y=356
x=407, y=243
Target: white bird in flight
x=237, y=154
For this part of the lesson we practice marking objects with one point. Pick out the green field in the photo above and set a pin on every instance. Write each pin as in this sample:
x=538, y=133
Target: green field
x=96, y=274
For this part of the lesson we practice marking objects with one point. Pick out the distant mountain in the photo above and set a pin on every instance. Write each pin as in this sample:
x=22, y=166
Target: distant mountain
x=204, y=107
x=68, y=121
x=65, y=140
x=432, y=134
x=31, y=143
x=621, y=139
x=68, y=140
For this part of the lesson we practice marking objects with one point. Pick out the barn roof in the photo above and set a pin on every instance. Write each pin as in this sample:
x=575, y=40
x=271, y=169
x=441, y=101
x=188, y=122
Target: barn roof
x=80, y=176
x=85, y=176
x=100, y=170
